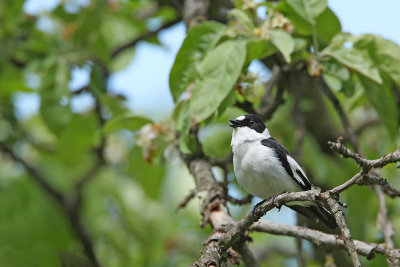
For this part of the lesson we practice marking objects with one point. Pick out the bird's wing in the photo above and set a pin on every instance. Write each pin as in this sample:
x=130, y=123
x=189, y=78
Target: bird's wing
x=292, y=168
x=298, y=173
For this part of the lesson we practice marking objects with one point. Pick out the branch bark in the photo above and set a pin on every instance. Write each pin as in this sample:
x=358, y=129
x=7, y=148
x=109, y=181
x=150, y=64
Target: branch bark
x=366, y=164
x=329, y=241
x=340, y=220
x=214, y=211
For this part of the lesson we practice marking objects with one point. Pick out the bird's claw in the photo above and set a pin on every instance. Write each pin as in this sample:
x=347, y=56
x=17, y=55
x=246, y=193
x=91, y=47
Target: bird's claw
x=278, y=206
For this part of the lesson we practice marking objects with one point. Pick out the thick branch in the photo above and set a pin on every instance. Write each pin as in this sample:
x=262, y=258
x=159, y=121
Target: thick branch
x=195, y=12
x=327, y=240
x=214, y=211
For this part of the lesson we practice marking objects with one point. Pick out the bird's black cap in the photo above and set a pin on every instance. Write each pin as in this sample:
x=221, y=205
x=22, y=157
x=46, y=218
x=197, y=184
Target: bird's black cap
x=249, y=120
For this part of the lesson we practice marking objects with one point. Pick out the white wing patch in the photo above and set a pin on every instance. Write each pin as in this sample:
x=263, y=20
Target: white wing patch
x=295, y=166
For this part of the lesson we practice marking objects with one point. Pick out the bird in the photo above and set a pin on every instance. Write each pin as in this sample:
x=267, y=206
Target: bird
x=265, y=168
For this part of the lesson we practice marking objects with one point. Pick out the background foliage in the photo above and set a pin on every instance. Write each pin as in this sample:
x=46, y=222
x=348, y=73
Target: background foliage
x=120, y=175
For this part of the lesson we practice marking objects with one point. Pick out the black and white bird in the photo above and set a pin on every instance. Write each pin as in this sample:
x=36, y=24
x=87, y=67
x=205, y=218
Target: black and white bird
x=265, y=168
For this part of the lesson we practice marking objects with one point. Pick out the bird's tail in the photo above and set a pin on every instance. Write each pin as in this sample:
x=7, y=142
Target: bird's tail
x=316, y=213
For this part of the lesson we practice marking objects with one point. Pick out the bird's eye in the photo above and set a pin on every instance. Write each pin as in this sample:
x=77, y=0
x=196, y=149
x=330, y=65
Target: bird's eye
x=252, y=122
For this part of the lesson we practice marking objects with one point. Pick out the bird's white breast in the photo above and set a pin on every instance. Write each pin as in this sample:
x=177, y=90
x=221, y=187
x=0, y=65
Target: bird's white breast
x=259, y=171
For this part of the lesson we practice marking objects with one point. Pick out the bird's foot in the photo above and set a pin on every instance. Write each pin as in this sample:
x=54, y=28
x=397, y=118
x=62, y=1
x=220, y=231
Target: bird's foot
x=278, y=206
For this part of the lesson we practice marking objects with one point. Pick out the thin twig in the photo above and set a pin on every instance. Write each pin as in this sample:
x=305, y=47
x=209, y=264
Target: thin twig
x=366, y=164
x=352, y=181
x=383, y=222
x=186, y=200
x=246, y=200
x=36, y=175
x=142, y=37
x=389, y=189
x=340, y=220
x=70, y=207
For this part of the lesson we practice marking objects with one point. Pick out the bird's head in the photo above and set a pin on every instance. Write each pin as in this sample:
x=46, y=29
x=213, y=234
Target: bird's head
x=248, y=127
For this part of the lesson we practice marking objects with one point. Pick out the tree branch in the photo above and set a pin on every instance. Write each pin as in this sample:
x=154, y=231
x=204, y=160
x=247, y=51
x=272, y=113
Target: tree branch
x=345, y=120
x=366, y=164
x=142, y=37
x=68, y=205
x=383, y=222
x=36, y=175
x=340, y=220
x=195, y=12
x=372, y=179
x=329, y=241
x=214, y=210
x=243, y=201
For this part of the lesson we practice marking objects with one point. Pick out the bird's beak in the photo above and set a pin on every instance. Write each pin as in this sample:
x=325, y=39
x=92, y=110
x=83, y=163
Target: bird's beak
x=235, y=123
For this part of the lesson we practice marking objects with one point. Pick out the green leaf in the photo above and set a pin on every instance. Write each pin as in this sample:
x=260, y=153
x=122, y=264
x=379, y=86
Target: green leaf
x=125, y=121
x=336, y=69
x=327, y=26
x=78, y=137
x=357, y=60
x=383, y=101
x=258, y=49
x=338, y=40
x=181, y=117
x=301, y=26
x=348, y=87
x=332, y=82
x=228, y=101
x=388, y=54
x=147, y=175
x=283, y=41
x=187, y=144
x=308, y=9
x=385, y=53
x=122, y=60
x=200, y=39
x=219, y=72
x=11, y=81
x=243, y=18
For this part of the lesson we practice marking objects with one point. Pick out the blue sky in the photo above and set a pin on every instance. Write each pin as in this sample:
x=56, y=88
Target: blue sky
x=145, y=80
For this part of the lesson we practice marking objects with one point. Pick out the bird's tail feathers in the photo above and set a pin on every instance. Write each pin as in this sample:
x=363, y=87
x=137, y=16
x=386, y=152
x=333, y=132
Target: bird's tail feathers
x=316, y=213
